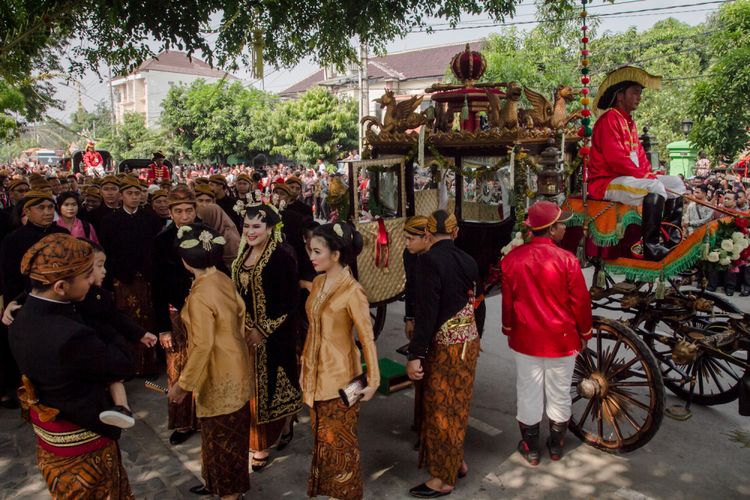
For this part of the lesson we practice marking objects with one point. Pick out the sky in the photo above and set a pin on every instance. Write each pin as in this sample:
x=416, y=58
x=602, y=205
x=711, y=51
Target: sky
x=617, y=17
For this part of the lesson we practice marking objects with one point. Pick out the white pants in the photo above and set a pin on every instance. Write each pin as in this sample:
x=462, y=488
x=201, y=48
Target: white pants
x=631, y=191
x=537, y=377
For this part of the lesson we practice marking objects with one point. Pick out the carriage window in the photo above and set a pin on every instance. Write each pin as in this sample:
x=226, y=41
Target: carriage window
x=485, y=191
x=379, y=191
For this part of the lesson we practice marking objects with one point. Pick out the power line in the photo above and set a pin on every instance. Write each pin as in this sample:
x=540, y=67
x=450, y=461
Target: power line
x=611, y=14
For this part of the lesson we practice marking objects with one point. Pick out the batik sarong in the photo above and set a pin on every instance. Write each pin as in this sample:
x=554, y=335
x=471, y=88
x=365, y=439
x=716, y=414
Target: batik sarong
x=180, y=415
x=336, y=470
x=448, y=383
x=95, y=475
x=224, y=452
x=134, y=299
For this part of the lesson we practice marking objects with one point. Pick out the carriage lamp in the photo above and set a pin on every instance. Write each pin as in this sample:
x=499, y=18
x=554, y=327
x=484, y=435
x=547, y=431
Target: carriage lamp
x=687, y=126
x=551, y=180
x=650, y=144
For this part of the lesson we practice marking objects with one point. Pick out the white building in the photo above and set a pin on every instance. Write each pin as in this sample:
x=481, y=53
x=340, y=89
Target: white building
x=144, y=89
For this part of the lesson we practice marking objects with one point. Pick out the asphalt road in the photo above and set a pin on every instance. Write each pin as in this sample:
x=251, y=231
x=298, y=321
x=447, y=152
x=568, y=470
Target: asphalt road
x=705, y=457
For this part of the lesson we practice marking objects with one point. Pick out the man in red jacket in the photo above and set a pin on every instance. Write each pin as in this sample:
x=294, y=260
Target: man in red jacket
x=546, y=315
x=619, y=169
x=157, y=171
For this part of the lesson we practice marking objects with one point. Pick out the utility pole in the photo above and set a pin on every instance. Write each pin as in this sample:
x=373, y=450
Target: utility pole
x=111, y=100
x=364, y=92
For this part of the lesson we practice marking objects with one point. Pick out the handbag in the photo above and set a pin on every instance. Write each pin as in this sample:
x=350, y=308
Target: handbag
x=352, y=392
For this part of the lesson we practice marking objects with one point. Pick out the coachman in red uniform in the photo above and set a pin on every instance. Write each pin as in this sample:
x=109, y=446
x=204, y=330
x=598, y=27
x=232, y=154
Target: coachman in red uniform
x=157, y=171
x=547, y=317
x=619, y=169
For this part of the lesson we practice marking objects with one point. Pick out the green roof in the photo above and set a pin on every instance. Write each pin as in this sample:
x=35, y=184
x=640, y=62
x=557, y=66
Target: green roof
x=681, y=145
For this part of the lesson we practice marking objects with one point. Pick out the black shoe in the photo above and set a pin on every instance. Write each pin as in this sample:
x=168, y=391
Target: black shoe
x=745, y=293
x=424, y=491
x=200, y=490
x=728, y=293
x=179, y=437
x=711, y=289
x=9, y=403
x=285, y=439
x=258, y=464
x=528, y=447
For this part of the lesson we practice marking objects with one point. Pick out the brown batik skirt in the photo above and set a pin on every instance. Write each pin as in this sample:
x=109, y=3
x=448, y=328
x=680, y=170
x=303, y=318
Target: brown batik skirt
x=336, y=469
x=448, y=385
x=180, y=415
x=224, y=452
x=134, y=299
x=95, y=475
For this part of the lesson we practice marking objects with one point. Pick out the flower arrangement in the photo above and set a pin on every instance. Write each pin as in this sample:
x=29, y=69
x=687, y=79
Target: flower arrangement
x=731, y=246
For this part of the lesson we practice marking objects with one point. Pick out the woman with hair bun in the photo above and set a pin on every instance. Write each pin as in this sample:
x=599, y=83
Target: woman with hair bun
x=265, y=274
x=331, y=360
x=217, y=370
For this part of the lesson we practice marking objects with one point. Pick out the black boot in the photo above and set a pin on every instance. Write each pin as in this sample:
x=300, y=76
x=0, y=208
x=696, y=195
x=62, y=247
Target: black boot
x=528, y=447
x=673, y=219
x=556, y=439
x=653, y=206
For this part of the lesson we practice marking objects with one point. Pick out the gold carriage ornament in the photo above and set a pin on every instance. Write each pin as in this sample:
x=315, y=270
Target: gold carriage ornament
x=470, y=114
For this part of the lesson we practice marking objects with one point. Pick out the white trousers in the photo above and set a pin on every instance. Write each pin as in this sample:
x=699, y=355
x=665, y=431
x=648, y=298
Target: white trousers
x=538, y=377
x=631, y=191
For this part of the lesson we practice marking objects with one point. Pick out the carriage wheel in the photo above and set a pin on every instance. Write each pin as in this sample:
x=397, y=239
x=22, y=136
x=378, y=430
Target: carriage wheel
x=617, y=390
x=377, y=315
x=717, y=379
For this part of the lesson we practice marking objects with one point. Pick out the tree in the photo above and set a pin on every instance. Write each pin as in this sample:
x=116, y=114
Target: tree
x=214, y=121
x=317, y=125
x=719, y=105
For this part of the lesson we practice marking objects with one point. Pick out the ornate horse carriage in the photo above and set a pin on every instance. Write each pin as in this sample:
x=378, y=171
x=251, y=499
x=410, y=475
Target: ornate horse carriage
x=476, y=153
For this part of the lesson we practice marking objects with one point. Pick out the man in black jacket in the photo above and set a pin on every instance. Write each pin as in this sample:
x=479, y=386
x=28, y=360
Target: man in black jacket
x=171, y=286
x=68, y=368
x=39, y=209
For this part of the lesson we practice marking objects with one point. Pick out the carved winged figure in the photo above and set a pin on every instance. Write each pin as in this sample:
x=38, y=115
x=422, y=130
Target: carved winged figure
x=505, y=114
x=545, y=114
x=400, y=116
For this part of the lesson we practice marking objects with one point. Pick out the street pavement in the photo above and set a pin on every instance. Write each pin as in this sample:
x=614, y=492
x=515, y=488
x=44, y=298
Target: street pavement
x=705, y=457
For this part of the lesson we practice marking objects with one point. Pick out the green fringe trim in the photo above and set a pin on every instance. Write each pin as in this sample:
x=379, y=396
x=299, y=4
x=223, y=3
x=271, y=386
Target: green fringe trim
x=672, y=269
x=606, y=239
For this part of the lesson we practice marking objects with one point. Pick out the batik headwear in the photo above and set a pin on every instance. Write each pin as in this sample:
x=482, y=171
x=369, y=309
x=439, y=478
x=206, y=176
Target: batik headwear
x=294, y=179
x=180, y=195
x=218, y=179
x=57, y=257
x=40, y=184
x=143, y=183
x=441, y=222
x=281, y=186
x=201, y=181
x=93, y=192
x=159, y=193
x=4, y=173
x=243, y=177
x=204, y=189
x=620, y=79
x=34, y=197
x=110, y=179
x=18, y=182
x=128, y=182
x=199, y=245
x=416, y=225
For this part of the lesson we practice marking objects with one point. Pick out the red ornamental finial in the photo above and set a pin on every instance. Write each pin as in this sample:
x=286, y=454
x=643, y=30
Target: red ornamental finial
x=468, y=66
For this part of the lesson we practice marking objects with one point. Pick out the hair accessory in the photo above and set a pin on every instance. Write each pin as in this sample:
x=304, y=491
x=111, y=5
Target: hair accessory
x=338, y=230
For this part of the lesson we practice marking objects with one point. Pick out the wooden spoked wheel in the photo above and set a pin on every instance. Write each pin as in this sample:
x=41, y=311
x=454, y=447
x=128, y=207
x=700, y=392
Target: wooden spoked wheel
x=717, y=373
x=617, y=390
x=377, y=315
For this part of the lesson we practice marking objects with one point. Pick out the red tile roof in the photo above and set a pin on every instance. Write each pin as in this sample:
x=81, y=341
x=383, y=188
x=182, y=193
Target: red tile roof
x=431, y=62
x=172, y=61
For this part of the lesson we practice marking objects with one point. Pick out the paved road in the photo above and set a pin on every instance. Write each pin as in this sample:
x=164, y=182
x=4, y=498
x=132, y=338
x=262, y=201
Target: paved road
x=706, y=457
